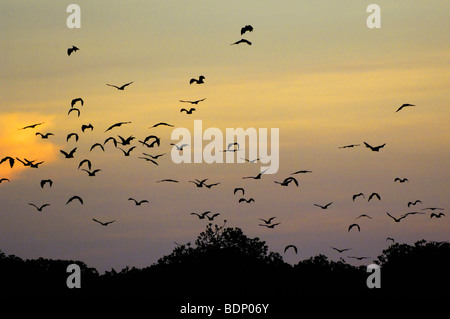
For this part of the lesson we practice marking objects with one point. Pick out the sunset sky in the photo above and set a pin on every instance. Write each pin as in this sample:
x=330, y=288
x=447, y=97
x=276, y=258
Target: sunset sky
x=314, y=70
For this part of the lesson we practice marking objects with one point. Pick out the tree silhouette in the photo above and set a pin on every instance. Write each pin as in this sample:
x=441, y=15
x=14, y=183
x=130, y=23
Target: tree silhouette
x=223, y=258
x=320, y=276
x=222, y=240
x=415, y=269
x=225, y=262
x=41, y=276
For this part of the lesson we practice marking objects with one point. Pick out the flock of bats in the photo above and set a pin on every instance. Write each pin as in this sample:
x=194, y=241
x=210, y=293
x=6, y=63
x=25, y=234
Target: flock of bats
x=153, y=141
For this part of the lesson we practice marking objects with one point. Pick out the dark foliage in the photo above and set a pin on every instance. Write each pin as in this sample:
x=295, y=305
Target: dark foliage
x=225, y=262
x=421, y=269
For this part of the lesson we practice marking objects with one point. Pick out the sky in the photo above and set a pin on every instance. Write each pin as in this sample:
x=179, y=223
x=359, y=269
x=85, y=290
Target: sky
x=314, y=71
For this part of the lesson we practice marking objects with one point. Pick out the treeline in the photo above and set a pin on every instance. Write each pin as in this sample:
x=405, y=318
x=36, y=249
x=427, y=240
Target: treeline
x=225, y=262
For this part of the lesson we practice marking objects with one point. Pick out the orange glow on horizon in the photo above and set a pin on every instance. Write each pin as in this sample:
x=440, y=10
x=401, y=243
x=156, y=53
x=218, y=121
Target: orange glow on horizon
x=24, y=143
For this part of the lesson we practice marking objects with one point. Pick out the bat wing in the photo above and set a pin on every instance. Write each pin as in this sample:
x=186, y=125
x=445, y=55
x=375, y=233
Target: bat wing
x=368, y=146
x=72, y=151
x=290, y=246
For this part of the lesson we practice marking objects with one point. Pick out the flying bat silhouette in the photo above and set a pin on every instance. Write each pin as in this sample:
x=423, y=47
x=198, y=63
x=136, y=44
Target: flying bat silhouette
x=199, y=81
x=111, y=139
x=72, y=49
x=70, y=154
x=246, y=28
x=257, y=176
x=75, y=197
x=213, y=216
x=397, y=220
x=439, y=215
x=97, y=145
x=119, y=87
x=154, y=156
x=210, y=185
x=325, y=206
x=126, y=141
x=199, y=183
x=8, y=158
x=201, y=216
x=88, y=162
x=251, y=161
x=188, y=111
x=103, y=223
x=127, y=153
x=35, y=165
x=193, y=102
x=70, y=135
x=238, y=189
x=397, y=179
x=116, y=125
x=167, y=180
x=287, y=181
x=46, y=181
x=301, y=172
x=156, y=141
x=46, y=135
x=78, y=99
x=74, y=109
x=290, y=246
x=85, y=127
x=31, y=126
x=4, y=180
x=359, y=258
x=39, y=208
x=25, y=162
x=246, y=200
x=242, y=41
x=363, y=215
x=414, y=203
x=268, y=221
x=161, y=123
x=356, y=195
x=230, y=145
x=412, y=213
x=31, y=164
x=180, y=147
x=340, y=250
x=374, y=148
x=353, y=225
x=374, y=195
x=403, y=106
x=138, y=203
x=269, y=226
x=349, y=146
x=148, y=160
x=92, y=173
